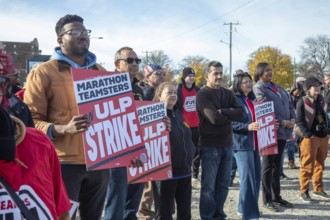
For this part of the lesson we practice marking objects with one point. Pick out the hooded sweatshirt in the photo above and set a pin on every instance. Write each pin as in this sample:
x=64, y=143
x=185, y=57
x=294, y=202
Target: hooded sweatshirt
x=58, y=55
x=50, y=96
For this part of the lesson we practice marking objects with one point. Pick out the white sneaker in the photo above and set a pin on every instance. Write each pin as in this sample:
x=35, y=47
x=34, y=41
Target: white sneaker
x=195, y=183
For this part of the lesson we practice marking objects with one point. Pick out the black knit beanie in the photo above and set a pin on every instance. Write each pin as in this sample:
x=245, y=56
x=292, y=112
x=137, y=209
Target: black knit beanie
x=186, y=71
x=312, y=81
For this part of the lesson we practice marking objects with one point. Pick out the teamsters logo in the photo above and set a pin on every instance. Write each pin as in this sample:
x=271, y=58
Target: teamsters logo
x=143, y=157
x=190, y=104
x=9, y=210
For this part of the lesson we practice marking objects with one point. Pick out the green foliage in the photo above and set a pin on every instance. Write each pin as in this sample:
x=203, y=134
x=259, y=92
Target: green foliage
x=281, y=64
x=198, y=63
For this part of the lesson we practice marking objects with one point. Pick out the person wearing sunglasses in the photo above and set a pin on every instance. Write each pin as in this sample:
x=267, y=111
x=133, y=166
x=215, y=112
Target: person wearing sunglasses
x=122, y=201
x=154, y=76
x=50, y=97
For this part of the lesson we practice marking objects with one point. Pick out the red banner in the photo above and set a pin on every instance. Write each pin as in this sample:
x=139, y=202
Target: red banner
x=114, y=137
x=157, y=143
x=267, y=136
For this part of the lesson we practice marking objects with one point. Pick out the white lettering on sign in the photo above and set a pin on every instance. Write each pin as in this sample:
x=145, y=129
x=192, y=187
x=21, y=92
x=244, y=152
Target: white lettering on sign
x=114, y=135
x=158, y=153
x=267, y=135
x=8, y=209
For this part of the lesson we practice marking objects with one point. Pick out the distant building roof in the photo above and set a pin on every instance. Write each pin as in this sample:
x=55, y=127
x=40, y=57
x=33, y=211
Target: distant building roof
x=40, y=58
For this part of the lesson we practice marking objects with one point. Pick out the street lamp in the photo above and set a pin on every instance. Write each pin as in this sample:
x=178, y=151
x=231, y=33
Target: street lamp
x=95, y=37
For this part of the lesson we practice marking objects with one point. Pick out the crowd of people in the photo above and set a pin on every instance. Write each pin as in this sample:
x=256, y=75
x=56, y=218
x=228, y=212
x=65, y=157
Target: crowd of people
x=210, y=129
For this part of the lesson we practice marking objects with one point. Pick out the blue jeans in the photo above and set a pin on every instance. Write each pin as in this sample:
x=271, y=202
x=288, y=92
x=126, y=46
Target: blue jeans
x=122, y=199
x=290, y=146
x=216, y=167
x=249, y=168
x=233, y=169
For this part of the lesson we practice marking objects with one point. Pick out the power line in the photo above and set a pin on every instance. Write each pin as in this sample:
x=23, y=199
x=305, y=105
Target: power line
x=199, y=26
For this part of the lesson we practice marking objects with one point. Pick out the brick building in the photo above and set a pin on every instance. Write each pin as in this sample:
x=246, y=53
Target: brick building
x=22, y=53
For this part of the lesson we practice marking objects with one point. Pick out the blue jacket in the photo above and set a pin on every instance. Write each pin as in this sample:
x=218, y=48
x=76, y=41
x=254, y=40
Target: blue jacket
x=242, y=137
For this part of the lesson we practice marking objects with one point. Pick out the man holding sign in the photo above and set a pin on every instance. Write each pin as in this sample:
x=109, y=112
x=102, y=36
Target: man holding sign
x=50, y=97
x=122, y=199
x=265, y=90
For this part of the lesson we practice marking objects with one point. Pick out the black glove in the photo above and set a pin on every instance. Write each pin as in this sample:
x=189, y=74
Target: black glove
x=327, y=130
x=7, y=137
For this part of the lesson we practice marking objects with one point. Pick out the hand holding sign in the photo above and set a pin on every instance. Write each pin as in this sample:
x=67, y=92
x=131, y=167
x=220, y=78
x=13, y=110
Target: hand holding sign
x=78, y=124
x=113, y=137
x=167, y=122
x=254, y=126
x=136, y=163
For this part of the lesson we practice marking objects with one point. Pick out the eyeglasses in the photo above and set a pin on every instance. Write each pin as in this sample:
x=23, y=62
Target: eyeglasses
x=130, y=60
x=77, y=32
x=247, y=81
x=160, y=73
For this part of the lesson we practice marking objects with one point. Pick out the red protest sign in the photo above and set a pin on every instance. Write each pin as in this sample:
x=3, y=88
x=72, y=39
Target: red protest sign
x=157, y=143
x=267, y=136
x=114, y=137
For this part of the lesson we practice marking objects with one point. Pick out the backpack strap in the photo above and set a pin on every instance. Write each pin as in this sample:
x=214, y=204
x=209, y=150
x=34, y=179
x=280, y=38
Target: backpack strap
x=24, y=210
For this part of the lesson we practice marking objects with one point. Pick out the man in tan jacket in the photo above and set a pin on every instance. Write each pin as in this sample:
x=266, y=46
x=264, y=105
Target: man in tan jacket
x=50, y=97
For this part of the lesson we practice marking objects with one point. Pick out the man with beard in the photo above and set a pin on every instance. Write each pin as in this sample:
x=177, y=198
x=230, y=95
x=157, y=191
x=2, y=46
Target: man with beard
x=50, y=97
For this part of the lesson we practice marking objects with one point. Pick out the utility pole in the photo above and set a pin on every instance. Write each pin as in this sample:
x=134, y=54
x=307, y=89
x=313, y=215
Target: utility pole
x=146, y=52
x=328, y=43
x=294, y=70
x=230, y=46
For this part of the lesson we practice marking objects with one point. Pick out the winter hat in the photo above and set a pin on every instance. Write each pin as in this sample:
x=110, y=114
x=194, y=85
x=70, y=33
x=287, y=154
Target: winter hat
x=186, y=71
x=312, y=81
x=297, y=86
x=300, y=79
x=151, y=68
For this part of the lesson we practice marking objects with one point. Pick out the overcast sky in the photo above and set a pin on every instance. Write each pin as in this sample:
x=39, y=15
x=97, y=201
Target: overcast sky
x=178, y=27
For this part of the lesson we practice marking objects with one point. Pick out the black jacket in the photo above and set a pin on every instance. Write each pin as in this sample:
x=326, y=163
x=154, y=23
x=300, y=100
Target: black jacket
x=20, y=110
x=217, y=108
x=149, y=92
x=307, y=110
x=137, y=91
x=182, y=147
